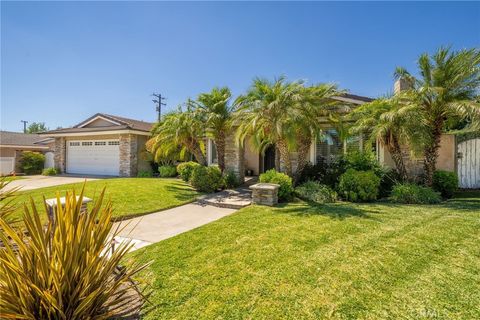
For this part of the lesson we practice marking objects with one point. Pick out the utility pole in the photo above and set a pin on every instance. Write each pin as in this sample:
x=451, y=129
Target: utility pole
x=159, y=101
x=24, y=125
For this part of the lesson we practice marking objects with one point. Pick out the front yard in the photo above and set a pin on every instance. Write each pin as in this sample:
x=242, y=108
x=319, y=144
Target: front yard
x=130, y=196
x=340, y=261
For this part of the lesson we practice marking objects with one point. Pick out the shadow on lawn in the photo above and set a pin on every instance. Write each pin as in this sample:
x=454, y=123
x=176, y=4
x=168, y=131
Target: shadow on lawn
x=463, y=204
x=180, y=191
x=333, y=210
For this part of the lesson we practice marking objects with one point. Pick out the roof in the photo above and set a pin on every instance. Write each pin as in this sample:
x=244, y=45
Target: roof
x=9, y=138
x=120, y=123
x=353, y=98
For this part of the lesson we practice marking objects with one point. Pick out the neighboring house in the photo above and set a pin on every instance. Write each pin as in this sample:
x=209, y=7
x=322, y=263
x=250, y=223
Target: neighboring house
x=12, y=144
x=102, y=145
x=247, y=159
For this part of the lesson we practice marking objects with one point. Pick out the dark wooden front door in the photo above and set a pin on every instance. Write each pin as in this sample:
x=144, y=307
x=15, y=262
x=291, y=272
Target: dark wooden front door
x=269, y=158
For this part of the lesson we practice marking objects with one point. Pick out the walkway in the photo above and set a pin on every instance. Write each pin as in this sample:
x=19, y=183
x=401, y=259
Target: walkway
x=161, y=225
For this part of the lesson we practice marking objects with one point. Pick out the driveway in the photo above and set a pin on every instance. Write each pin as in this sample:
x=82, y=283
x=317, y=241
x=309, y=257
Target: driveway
x=35, y=182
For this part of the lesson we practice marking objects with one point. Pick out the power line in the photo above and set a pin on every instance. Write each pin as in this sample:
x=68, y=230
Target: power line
x=159, y=102
x=24, y=125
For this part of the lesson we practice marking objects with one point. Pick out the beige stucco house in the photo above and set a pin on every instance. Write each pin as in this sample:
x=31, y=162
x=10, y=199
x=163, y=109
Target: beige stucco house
x=102, y=145
x=12, y=144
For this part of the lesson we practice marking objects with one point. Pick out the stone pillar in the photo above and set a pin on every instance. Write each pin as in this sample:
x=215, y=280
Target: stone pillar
x=265, y=193
x=59, y=156
x=401, y=85
x=234, y=157
x=128, y=155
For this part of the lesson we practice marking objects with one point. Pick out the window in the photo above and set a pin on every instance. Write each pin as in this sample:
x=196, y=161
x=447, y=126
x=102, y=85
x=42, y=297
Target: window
x=100, y=143
x=213, y=152
x=87, y=143
x=113, y=143
x=328, y=147
x=74, y=144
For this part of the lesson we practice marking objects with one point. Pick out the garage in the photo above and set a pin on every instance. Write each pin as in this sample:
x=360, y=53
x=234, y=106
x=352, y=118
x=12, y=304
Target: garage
x=96, y=157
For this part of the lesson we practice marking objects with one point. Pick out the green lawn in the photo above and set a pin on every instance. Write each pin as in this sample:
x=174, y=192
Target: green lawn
x=11, y=178
x=339, y=261
x=130, y=196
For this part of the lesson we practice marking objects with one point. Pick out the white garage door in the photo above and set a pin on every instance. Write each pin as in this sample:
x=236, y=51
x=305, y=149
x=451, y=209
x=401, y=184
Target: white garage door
x=100, y=157
x=7, y=165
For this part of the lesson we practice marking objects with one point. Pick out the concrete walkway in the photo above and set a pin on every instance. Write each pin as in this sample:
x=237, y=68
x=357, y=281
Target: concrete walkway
x=36, y=182
x=159, y=226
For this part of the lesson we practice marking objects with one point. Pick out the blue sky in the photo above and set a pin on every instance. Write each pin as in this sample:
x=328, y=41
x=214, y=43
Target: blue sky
x=62, y=62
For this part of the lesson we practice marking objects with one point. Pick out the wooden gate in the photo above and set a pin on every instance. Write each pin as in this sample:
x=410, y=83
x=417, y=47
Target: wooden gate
x=468, y=168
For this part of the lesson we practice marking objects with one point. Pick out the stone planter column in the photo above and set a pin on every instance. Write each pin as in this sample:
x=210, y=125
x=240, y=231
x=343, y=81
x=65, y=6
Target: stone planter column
x=59, y=155
x=265, y=193
x=128, y=155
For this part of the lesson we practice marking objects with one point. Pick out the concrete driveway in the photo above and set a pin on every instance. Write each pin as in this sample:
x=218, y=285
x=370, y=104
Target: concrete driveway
x=35, y=182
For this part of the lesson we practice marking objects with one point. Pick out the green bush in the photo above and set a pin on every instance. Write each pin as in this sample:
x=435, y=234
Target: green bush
x=32, y=162
x=167, y=171
x=445, y=182
x=145, y=174
x=388, y=179
x=285, y=192
x=363, y=161
x=359, y=186
x=415, y=194
x=206, y=179
x=316, y=192
x=185, y=169
x=49, y=172
x=230, y=179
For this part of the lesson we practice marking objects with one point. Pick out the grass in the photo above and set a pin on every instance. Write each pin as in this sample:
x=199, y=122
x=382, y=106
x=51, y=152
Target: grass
x=130, y=196
x=11, y=178
x=336, y=261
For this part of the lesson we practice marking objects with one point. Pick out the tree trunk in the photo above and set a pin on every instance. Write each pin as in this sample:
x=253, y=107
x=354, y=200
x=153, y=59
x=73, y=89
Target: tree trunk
x=277, y=158
x=303, y=148
x=396, y=152
x=285, y=156
x=431, y=152
x=220, y=144
x=198, y=154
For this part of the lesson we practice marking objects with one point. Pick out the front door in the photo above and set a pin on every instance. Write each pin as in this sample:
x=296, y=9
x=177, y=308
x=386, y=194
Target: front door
x=269, y=158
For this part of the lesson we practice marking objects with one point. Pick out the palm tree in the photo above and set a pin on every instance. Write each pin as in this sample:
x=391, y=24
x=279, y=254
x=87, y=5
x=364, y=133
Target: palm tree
x=216, y=112
x=264, y=113
x=448, y=86
x=182, y=130
x=316, y=102
x=379, y=121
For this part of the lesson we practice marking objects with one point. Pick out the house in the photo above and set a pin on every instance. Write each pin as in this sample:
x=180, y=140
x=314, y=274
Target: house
x=12, y=144
x=246, y=159
x=102, y=145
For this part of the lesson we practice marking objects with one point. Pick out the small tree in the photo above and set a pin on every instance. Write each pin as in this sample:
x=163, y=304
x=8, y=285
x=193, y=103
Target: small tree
x=32, y=162
x=36, y=127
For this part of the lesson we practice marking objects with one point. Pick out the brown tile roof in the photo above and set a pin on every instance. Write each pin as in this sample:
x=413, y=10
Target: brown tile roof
x=20, y=139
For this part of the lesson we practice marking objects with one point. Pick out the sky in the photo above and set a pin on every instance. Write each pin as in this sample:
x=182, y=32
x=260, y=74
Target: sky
x=62, y=62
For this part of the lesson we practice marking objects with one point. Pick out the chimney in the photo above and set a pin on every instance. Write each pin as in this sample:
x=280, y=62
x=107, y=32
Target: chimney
x=400, y=85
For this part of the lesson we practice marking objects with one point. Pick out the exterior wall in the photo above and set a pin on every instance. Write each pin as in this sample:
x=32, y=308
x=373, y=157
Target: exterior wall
x=143, y=162
x=60, y=157
x=128, y=155
x=252, y=158
x=7, y=152
x=17, y=155
x=99, y=123
x=447, y=157
x=234, y=157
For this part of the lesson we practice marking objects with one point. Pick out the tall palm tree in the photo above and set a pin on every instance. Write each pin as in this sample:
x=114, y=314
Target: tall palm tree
x=448, y=86
x=264, y=113
x=216, y=111
x=182, y=130
x=315, y=103
x=379, y=121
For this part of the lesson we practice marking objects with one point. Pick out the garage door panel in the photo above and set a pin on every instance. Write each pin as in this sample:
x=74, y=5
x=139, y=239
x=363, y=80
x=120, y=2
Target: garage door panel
x=100, y=157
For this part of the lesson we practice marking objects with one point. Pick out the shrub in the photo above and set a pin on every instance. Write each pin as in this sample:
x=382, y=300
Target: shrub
x=145, y=174
x=59, y=271
x=316, y=192
x=32, y=162
x=185, y=169
x=359, y=186
x=206, y=179
x=230, y=179
x=445, y=182
x=49, y=172
x=415, y=194
x=167, y=171
x=388, y=179
x=285, y=192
